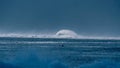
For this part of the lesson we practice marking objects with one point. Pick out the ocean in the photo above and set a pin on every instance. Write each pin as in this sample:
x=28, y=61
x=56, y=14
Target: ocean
x=31, y=52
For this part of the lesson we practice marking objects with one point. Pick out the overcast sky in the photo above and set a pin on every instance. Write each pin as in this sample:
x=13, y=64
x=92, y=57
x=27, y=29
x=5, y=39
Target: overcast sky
x=86, y=17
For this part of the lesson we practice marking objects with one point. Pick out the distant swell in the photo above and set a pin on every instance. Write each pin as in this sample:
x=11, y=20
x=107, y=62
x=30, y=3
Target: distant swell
x=52, y=42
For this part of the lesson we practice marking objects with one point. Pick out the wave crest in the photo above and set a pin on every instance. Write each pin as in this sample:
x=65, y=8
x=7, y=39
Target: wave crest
x=18, y=35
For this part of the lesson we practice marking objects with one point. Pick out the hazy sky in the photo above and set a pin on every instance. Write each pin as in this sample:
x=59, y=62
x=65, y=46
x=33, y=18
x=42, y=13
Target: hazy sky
x=86, y=17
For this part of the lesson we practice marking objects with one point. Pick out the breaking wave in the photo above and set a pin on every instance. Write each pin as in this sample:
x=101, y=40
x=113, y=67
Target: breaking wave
x=53, y=36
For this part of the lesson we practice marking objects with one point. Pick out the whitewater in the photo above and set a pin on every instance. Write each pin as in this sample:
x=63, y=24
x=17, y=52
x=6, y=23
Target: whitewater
x=20, y=35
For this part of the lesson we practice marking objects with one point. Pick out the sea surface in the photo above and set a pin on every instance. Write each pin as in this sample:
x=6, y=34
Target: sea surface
x=59, y=53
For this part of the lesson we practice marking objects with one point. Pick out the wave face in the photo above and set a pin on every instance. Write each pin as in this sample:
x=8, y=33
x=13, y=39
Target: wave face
x=58, y=53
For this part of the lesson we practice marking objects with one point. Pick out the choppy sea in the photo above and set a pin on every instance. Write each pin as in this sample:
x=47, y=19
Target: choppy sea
x=59, y=53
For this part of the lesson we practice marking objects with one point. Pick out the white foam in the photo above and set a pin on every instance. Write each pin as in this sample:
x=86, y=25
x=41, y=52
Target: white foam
x=100, y=37
x=19, y=35
x=25, y=35
x=66, y=34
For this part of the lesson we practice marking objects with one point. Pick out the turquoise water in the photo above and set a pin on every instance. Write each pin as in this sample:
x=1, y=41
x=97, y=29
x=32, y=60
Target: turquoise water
x=59, y=53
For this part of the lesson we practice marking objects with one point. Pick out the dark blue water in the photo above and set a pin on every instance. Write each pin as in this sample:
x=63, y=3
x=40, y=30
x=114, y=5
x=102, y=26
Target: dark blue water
x=59, y=53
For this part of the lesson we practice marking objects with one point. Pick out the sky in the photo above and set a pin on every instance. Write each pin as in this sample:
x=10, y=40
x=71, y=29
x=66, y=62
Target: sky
x=85, y=17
